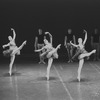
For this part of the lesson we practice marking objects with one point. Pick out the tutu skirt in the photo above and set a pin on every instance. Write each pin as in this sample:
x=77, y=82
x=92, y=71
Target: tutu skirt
x=7, y=53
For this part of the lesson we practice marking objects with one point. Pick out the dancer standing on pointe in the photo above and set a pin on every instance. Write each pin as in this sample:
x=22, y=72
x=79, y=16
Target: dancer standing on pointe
x=68, y=46
x=50, y=53
x=39, y=44
x=81, y=53
x=13, y=50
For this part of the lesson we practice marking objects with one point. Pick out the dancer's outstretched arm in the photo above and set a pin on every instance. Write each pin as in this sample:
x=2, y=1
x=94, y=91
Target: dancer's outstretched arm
x=40, y=49
x=14, y=34
x=50, y=36
x=73, y=44
x=6, y=45
x=85, y=37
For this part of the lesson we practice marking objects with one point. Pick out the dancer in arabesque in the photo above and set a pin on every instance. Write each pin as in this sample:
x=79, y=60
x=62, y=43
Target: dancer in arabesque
x=13, y=50
x=50, y=53
x=81, y=53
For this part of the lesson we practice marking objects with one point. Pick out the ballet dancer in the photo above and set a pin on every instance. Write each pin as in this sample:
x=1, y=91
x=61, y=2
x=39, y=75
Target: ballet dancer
x=81, y=53
x=50, y=53
x=39, y=44
x=13, y=50
x=68, y=46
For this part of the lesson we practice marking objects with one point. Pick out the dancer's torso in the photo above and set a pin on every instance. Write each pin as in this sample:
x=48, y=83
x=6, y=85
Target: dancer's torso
x=12, y=45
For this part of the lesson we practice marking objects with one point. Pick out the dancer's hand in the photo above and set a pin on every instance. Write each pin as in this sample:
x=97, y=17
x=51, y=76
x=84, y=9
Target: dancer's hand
x=12, y=29
x=70, y=42
x=84, y=31
x=46, y=32
x=3, y=46
x=36, y=51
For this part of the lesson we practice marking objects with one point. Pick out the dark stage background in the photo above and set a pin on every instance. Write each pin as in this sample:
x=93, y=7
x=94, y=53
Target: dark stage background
x=55, y=16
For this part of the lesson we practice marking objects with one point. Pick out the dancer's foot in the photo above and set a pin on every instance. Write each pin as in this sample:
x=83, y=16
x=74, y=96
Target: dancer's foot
x=24, y=43
x=10, y=72
x=93, y=51
x=78, y=78
x=59, y=46
x=47, y=76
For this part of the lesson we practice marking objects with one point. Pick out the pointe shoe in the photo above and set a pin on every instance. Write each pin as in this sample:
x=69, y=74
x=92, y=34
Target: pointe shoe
x=24, y=42
x=47, y=76
x=78, y=79
x=94, y=51
x=10, y=73
x=59, y=46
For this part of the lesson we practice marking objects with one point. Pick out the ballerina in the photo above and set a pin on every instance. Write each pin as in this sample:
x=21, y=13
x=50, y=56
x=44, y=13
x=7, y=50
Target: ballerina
x=81, y=53
x=13, y=50
x=50, y=53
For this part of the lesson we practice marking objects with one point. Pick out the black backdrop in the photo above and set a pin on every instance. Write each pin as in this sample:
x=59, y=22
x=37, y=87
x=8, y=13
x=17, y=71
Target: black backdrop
x=55, y=16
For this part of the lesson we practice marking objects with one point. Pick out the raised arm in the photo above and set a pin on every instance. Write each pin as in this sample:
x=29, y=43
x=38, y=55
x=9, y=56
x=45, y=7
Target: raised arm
x=73, y=44
x=50, y=36
x=14, y=34
x=85, y=37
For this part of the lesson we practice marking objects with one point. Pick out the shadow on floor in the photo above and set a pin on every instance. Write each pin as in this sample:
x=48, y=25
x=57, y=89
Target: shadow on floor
x=45, y=79
x=76, y=80
x=13, y=74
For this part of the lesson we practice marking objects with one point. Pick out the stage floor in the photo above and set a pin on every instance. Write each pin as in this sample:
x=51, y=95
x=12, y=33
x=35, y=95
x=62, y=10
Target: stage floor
x=28, y=82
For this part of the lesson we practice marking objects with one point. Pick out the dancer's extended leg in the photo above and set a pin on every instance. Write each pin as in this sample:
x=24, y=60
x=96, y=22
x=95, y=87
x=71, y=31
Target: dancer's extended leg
x=81, y=62
x=50, y=60
x=19, y=48
x=86, y=54
x=53, y=52
x=11, y=64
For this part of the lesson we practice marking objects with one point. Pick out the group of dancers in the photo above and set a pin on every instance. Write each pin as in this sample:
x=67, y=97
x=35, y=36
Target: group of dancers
x=47, y=51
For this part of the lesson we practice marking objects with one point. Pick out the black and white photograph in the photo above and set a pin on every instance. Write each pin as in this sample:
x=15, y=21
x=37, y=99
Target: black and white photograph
x=49, y=49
